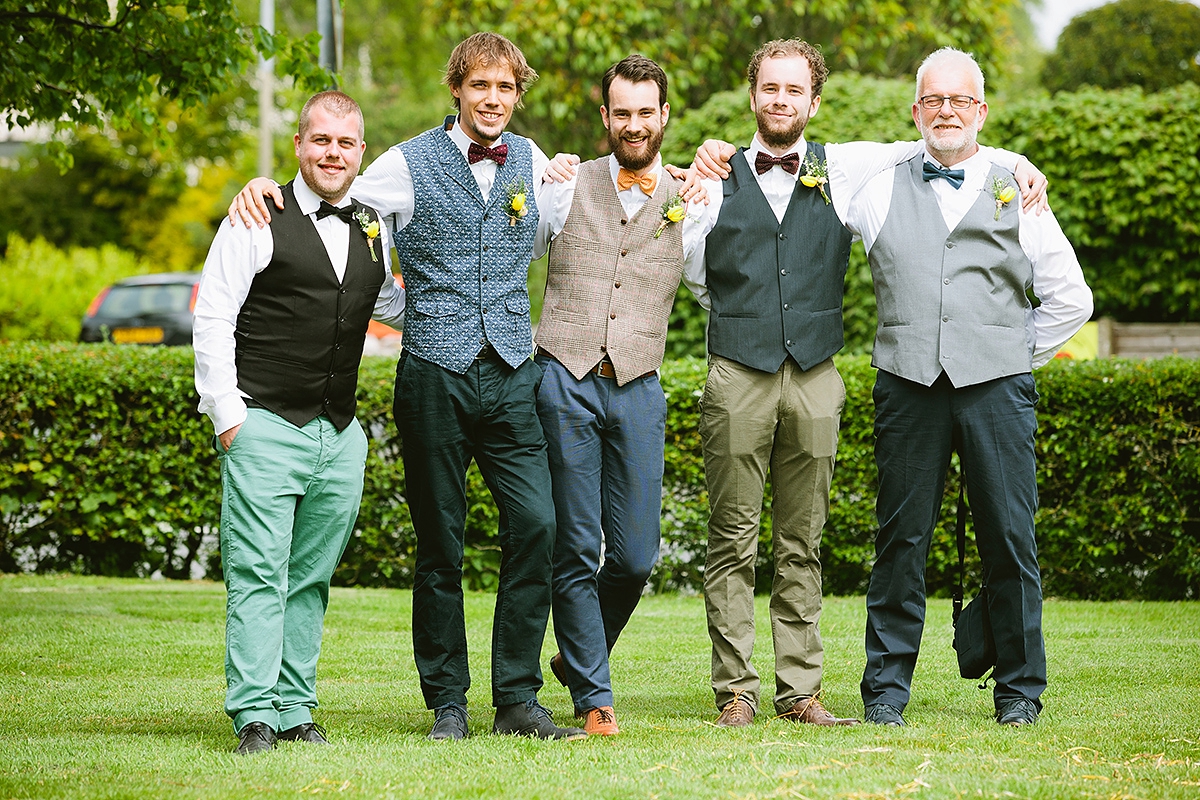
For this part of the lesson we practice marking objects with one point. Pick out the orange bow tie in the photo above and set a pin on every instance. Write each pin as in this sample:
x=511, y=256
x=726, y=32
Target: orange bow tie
x=626, y=179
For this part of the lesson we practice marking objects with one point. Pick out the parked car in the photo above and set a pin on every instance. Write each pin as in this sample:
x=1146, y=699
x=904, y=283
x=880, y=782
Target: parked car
x=147, y=309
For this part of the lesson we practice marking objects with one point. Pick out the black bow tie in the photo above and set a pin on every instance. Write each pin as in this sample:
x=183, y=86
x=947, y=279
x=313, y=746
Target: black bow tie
x=764, y=161
x=932, y=171
x=477, y=152
x=344, y=213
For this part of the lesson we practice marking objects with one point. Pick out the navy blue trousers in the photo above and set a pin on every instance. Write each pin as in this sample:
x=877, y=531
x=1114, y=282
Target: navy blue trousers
x=606, y=462
x=445, y=420
x=991, y=426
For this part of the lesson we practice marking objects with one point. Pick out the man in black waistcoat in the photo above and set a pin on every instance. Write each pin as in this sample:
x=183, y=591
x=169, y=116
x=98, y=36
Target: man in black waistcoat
x=280, y=321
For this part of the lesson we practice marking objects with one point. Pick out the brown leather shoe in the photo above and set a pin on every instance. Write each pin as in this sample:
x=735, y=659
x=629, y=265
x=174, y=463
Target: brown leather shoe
x=737, y=713
x=558, y=668
x=810, y=711
x=600, y=722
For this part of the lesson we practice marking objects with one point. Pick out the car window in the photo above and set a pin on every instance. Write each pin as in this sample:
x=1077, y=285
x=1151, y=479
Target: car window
x=132, y=301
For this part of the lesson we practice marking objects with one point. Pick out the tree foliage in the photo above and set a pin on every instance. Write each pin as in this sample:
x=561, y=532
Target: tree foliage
x=1149, y=43
x=70, y=62
x=704, y=46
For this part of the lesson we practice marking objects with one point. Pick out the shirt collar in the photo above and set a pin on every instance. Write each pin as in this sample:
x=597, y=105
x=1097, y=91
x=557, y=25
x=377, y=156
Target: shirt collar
x=979, y=160
x=307, y=199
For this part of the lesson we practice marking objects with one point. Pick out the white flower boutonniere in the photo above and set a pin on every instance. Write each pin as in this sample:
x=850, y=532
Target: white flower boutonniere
x=816, y=174
x=1002, y=192
x=672, y=211
x=370, y=229
x=518, y=199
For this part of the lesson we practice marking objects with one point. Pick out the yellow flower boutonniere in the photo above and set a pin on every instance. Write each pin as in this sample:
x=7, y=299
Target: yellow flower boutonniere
x=1003, y=193
x=672, y=211
x=816, y=173
x=370, y=229
x=518, y=200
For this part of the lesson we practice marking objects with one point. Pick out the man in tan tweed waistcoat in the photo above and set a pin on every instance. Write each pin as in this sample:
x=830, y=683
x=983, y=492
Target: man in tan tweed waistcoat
x=620, y=239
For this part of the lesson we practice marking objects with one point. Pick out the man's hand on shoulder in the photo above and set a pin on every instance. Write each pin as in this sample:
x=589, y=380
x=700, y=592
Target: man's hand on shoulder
x=1033, y=185
x=249, y=205
x=561, y=168
x=693, y=190
x=712, y=159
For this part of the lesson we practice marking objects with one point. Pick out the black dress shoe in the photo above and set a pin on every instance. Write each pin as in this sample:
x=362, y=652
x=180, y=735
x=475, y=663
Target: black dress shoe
x=255, y=737
x=449, y=722
x=309, y=732
x=883, y=714
x=1016, y=713
x=532, y=719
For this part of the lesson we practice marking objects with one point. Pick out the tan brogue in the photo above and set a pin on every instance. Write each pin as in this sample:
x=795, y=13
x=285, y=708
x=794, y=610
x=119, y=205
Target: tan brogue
x=809, y=710
x=737, y=713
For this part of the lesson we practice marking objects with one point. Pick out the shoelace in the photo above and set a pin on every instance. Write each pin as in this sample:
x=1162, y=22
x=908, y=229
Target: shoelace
x=452, y=709
x=538, y=710
x=606, y=716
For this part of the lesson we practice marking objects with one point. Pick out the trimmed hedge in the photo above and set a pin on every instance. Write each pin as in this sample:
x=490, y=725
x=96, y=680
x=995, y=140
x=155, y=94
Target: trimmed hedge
x=106, y=467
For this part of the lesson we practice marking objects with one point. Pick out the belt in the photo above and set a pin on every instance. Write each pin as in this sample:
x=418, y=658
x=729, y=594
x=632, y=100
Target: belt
x=485, y=352
x=604, y=369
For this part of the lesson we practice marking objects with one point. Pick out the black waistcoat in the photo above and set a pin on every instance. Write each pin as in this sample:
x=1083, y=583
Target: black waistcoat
x=300, y=333
x=776, y=287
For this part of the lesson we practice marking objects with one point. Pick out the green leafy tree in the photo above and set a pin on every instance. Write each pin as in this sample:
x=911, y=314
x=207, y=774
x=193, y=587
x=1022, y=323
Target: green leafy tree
x=1149, y=43
x=72, y=62
x=704, y=46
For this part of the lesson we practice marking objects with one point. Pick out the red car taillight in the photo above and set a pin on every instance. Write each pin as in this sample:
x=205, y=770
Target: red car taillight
x=195, y=291
x=95, y=306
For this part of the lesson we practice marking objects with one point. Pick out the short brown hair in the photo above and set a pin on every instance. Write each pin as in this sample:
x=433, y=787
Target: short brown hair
x=636, y=69
x=337, y=103
x=484, y=49
x=787, y=48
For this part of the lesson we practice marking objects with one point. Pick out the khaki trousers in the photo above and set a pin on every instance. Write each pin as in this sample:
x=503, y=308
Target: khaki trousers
x=752, y=422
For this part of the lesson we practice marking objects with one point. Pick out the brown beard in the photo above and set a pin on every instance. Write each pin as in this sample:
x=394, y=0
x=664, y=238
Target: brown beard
x=777, y=139
x=635, y=162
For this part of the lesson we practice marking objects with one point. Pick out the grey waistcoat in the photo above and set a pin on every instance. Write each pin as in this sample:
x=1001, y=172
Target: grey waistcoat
x=952, y=301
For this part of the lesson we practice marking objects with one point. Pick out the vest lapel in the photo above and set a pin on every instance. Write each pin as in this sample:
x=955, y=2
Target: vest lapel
x=456, y=167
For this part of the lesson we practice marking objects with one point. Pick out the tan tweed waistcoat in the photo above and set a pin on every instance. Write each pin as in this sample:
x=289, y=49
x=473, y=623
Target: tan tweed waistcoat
x=610, y=284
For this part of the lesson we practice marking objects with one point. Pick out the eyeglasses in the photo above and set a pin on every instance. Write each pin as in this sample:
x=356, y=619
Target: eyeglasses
x=934, y=102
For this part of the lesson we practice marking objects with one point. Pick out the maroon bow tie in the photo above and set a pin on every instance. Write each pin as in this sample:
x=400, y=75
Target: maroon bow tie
x=477, y=152
x=790, y=163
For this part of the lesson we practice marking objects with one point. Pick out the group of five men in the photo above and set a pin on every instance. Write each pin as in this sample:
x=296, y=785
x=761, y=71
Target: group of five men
x=570, y=442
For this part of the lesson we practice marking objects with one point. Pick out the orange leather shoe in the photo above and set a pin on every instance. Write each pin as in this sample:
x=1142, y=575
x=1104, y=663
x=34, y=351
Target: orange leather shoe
x=737, y=713
x=600, y=722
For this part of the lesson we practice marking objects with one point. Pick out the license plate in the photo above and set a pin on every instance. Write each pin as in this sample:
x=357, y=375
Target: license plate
x=137, y=335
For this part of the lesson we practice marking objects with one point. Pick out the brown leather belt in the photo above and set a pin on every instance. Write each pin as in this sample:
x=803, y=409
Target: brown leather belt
x=604, y=369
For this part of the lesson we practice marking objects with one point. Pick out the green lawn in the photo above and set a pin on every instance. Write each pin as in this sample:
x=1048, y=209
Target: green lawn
x=113, y=689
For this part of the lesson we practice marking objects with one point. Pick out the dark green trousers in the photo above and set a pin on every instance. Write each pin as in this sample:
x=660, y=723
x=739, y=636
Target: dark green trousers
x=445, y=419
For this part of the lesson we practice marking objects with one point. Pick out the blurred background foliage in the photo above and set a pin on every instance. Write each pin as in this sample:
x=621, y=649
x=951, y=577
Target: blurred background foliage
x=1122, y=158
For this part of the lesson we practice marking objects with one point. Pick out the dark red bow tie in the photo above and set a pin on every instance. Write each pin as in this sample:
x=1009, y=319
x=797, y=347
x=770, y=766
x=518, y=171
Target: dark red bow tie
x=790, y=163
x=477, y=152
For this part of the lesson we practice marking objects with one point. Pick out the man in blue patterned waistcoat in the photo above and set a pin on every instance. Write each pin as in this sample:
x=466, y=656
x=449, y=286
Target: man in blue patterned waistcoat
x=461, y=204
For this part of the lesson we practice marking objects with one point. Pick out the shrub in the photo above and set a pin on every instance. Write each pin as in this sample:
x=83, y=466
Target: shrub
x=106, y=467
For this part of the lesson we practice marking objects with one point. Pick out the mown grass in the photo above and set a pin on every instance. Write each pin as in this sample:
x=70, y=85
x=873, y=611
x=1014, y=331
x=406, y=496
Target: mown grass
x=113, y=689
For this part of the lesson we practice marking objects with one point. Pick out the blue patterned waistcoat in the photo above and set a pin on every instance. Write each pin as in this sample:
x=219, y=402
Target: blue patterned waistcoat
x=465, y=266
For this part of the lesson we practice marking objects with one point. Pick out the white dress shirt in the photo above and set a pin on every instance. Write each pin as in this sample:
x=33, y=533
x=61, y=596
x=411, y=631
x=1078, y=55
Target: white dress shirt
x=700, y=219
x=387, y=185
x=1058, y=283
x=238, y=254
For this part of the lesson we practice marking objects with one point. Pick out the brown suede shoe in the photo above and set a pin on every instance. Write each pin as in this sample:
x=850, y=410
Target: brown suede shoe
x=810, y=711
x=600, y=722
x=737, y=713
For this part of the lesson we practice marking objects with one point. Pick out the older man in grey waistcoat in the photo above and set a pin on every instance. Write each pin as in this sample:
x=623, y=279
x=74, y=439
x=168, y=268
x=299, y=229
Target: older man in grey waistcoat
x=621, y=240
x=953, y=258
